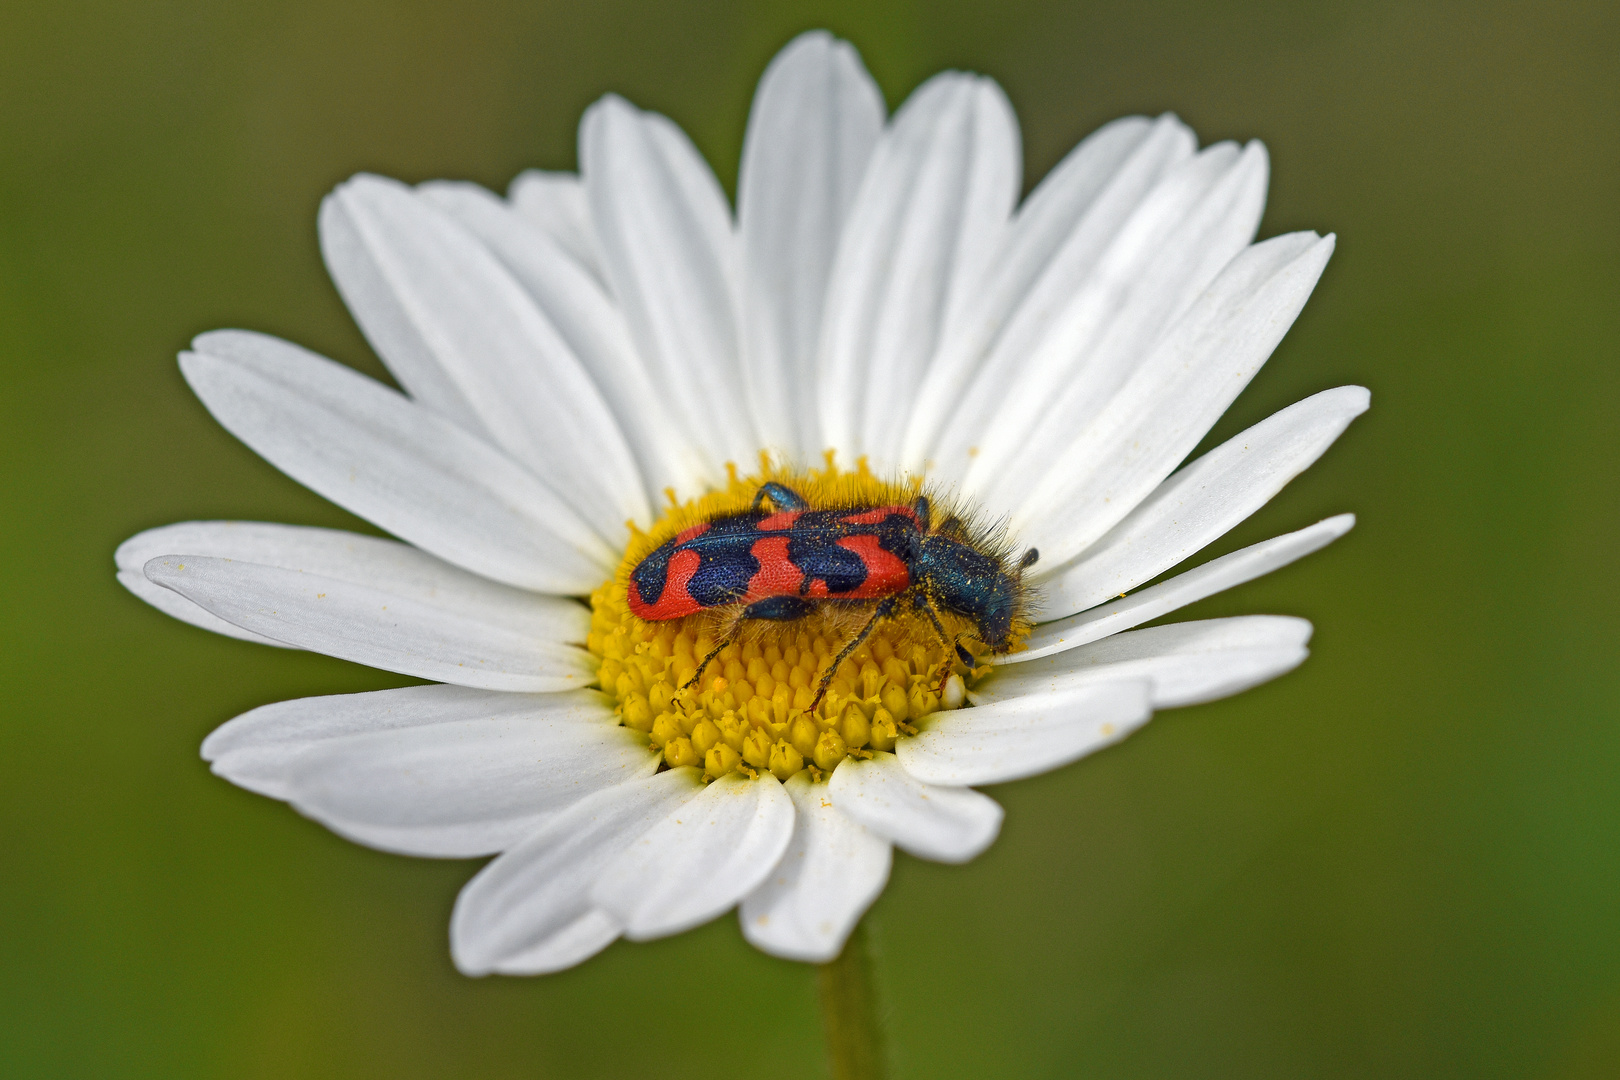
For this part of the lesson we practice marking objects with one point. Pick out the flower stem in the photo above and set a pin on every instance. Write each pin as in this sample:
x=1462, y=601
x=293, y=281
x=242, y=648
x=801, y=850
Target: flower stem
x=849, y=1013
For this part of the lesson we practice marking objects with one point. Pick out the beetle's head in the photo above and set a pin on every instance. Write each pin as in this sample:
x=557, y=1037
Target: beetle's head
x=976, y=585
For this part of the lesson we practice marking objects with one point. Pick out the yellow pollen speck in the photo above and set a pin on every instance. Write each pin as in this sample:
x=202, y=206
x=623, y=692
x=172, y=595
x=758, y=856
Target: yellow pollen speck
x=751, y=712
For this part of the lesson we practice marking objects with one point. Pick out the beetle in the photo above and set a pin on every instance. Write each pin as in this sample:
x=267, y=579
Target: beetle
x=784, y=562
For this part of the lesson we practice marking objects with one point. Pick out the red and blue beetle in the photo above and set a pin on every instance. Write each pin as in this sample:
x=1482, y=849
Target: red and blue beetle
x=784, y=563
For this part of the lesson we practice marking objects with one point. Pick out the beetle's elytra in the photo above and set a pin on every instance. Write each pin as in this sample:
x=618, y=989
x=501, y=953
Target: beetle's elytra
x=783, y=562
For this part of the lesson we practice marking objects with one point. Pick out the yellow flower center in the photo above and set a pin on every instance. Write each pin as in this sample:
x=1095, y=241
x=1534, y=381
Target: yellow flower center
x=751, y=711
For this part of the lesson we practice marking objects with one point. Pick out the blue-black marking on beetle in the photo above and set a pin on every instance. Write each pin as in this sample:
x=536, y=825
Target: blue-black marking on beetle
x=787, y=562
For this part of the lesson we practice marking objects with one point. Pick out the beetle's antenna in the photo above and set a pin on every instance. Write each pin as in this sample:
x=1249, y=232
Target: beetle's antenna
x=884, y=610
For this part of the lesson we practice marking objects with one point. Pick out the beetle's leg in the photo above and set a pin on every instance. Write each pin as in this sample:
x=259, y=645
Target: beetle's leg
x=782, y=497
x=772, y=608
x=884, y=610
x=950, y=643
x=714, y=652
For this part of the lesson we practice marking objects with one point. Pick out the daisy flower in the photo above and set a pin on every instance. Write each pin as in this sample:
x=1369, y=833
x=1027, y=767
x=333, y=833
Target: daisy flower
x=599, y=361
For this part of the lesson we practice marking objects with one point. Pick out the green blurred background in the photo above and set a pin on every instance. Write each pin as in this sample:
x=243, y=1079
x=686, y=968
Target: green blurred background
x=1402, y=860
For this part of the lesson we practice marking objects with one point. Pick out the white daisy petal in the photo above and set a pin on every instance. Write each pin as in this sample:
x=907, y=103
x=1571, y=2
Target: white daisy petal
x=529, y=909
x=578, y=305
x=1055, y=241
x=1187, y=663
x=452, y=303
x=431, y=770
x=700, y=859
x=554, y=202
x=671, y=258
x=833, y=870
x=815, y=119
x=573, y=944
x=220, y=538
x=945, y=824
x=376, y=307
x=931, y=213
x=360, y=560
x=447, y=638
x=1022, y=736
x=255, y=749
x=1093, y=478
x=1203, y=501
x=395, y=463
x=1195, y=220
x=1214, y=576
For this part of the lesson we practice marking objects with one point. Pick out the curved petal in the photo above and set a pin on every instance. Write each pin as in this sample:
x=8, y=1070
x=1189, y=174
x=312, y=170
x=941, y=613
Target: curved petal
x=1214, y=576
x=945, y=824
x=1203, y=501
x=1058, y=235
x=815, y=119
x=389, y=624
x=833, y=869
x=578, y=305
x=671, y=258
x=930, y=215
x=395, y=463
x=1194, y=222
x=363, y=560
x=226, y=539
x=1186, y=663
x=452, y=304
x=573, y=944
x=255, y=749
x=1015, y=737
x=383, y=318
x=554, y=202
x=1086, y=483
x=529, y=910
x=700, y=859
x=431, y=770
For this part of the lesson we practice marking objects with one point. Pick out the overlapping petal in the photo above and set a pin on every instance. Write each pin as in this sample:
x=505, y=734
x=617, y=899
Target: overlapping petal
x=1215, y=576
x=670, y=256
x=1203, y=501
x=930, y=215
x=529, y=911
x=383, y=565
x=1190, y=225
x=1184, y=663
x=431, y=770
x=394, y=462
x=1055, y=240
x=700, y=860
x=815, y=119
x=833, y=869
x=453, y=305
x=1082, y=483
x=515, y=643
x=946, y=824
x=1016, y=737
x=555, y=203
x=573, y=297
